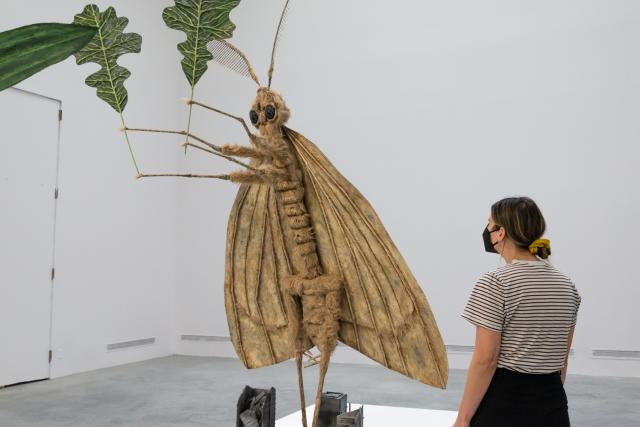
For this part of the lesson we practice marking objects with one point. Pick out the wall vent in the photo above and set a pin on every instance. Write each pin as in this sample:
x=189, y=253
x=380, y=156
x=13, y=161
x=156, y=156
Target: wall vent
x=460, y=348
x=128, y=344
x=616, y=354
x=209, y=338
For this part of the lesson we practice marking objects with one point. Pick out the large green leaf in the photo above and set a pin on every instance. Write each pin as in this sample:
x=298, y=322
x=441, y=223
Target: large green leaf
x=108, y=44
x=202, y=21
x=26, y=50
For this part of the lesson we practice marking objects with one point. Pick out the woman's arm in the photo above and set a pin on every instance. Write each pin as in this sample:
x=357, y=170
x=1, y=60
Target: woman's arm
x=481, y=369
x=563, y=373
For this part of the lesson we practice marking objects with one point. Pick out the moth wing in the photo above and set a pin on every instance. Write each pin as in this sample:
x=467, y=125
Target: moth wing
x=385, y=314
x=262, y=319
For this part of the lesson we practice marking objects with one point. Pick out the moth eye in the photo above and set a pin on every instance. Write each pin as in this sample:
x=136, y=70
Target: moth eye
x=254, y=117
x=270, y=112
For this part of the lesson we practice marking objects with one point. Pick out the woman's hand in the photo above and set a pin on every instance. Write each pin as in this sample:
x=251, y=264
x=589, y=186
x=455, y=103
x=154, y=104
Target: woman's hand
x=460, y=423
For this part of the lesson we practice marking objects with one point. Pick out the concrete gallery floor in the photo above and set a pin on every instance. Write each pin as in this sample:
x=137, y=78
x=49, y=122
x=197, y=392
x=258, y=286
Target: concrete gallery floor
x=198, y=391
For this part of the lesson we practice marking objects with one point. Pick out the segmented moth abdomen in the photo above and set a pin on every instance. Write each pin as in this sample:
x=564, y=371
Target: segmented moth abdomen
x=302, y=235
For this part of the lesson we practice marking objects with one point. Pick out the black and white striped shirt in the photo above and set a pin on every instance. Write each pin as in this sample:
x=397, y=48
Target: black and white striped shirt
x=534, y=306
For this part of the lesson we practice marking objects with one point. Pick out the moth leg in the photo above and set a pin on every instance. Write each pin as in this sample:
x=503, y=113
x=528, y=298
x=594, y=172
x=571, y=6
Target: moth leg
x=243, y=151
x=183, y=175
x=260, y=149
x=263, y=175
x=325, y=356
x=216, y=110
x=303, y=405
x=224, y=156
x=294, y=313
x=321, y=297
x=174, y=132
x=209, y=148
x=245, y=177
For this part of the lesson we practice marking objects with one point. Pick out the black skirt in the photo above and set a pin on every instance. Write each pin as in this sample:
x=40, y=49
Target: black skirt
x=516, y=399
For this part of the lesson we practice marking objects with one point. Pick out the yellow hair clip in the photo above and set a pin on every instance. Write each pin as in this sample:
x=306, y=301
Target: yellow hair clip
x=539, y=243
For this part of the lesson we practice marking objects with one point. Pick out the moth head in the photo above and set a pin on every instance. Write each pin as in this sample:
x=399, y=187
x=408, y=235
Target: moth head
x=269, y=111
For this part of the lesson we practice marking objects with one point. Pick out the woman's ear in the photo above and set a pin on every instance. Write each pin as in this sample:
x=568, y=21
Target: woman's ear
x=502, y=232
x=501, y=235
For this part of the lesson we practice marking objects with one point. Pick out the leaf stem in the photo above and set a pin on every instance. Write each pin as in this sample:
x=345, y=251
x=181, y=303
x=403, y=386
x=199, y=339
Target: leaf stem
x=189, y=118
x=126, y=137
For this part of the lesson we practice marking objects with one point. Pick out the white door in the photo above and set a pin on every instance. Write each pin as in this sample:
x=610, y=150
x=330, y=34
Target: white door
x=28, y=172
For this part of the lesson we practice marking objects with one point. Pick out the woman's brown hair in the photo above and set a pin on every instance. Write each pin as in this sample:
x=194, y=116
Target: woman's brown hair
x=522, y=220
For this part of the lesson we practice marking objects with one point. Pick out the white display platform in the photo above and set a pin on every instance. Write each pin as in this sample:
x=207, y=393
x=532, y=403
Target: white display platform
x=385, y=416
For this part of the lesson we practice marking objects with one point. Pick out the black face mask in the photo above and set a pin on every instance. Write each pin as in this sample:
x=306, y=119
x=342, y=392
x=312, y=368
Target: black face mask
x=486, y=236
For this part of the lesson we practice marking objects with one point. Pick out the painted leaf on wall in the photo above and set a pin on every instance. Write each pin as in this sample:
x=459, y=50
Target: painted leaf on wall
x=105, y=48
x=27, y=50
x=202, y=21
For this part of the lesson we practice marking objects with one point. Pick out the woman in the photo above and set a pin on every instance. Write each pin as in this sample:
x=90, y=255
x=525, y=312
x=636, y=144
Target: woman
x=525, y=313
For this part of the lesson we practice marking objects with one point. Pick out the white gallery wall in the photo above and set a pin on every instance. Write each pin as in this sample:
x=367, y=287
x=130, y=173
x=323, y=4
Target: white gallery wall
x=433, y=109
x=116, y=237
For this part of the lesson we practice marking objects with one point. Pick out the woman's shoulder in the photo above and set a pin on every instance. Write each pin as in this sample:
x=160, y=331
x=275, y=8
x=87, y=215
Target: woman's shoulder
x=504, y=271
x=491, y=278
x=521, y=270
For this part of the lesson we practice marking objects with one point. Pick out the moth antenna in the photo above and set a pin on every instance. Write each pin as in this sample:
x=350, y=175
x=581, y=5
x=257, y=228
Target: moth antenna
x=231, y=57
x=283, y=19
